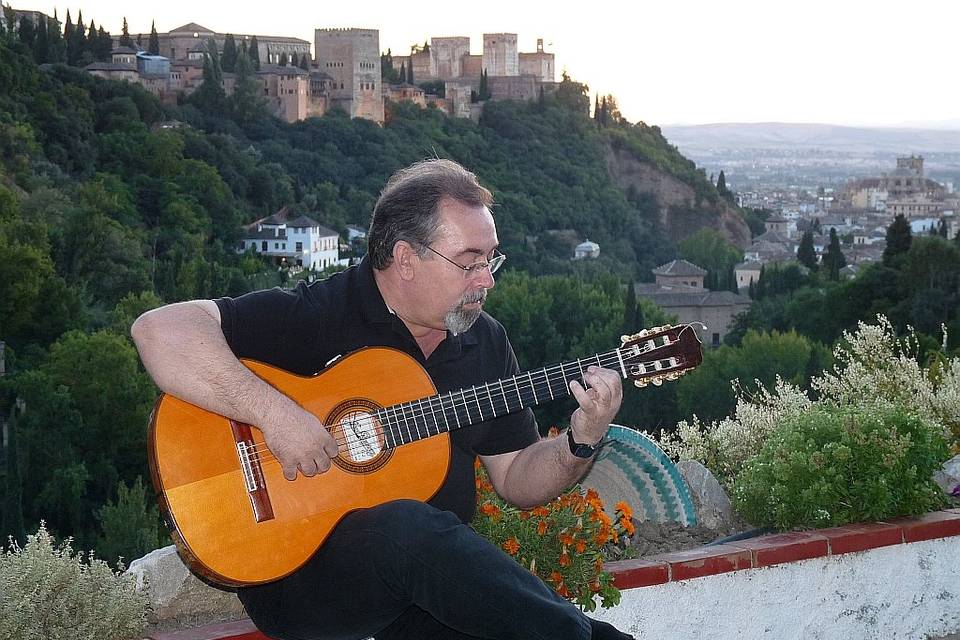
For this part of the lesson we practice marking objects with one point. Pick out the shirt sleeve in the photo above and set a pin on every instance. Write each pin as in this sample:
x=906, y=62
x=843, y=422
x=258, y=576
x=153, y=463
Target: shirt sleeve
x=515, y=431
x=273, y=326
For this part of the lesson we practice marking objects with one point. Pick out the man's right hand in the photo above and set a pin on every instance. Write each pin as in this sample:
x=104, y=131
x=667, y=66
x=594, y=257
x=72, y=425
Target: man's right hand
x=299, y=441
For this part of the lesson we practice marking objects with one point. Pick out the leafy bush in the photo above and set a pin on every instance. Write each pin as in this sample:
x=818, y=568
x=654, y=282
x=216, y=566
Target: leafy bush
x=561, y=542
x=50, y=592
x=832, y=466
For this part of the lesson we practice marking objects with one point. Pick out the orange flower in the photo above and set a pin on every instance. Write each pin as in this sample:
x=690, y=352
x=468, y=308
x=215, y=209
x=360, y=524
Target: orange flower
x=511, y=546
x=556, y=577
x=625, y=509
x=542, y=527
x=540, y=512
x=476, y=463
x=628, y=527
x=491, y=510
x=581, y=546
x=553, y=432
x=565, y=558
x=566, y=539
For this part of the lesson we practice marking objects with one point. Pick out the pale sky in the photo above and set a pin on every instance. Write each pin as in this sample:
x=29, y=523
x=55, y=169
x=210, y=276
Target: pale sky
x=667, y=62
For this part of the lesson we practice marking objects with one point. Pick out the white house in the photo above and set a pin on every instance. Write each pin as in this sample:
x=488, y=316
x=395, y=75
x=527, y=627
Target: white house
x=297, y=242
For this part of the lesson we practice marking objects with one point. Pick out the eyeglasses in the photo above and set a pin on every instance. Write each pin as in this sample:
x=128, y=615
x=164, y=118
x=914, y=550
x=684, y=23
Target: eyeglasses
x=476, y=268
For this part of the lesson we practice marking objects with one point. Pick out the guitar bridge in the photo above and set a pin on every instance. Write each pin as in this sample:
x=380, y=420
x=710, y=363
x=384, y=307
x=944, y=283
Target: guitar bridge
x=252, y=472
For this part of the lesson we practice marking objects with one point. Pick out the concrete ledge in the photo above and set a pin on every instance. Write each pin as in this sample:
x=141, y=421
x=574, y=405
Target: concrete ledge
x=896, y=579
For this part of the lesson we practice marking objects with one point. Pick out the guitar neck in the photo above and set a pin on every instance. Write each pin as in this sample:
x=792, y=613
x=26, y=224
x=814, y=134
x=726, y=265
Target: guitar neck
x=417, y=419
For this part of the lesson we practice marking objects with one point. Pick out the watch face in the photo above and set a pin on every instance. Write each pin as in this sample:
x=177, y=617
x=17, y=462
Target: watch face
x=578, y=449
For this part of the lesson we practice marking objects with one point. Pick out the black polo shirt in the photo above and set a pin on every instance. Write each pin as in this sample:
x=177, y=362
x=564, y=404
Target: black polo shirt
x=303, y=329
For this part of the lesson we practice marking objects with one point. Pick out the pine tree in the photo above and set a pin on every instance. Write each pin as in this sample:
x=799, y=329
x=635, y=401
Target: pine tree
x=899, y=238
x=410, y=71
x=806, y=253
x=245, y=103
x=41, y=46
x=154, y=47
x=596, y=109
x=228, y=61
x=305, y=62
x=403, y=72
x=254, y=53
x=630, y=309
x=284, y=59
x=294, y=60
x=139, y=42
x=125, y=39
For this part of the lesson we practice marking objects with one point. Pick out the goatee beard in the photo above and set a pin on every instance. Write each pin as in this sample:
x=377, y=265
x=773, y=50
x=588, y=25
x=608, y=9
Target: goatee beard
x=459, y=319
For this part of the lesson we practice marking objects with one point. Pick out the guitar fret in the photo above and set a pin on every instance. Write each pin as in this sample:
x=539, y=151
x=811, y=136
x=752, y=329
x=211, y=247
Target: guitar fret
x=533, y=388
x=493, y=408
x=623, y=367
x=476, y=398
x=443, y=412
x=423, y=417
x=453, y=406
x=549, y=386
x=516, y=386
x=466, y=407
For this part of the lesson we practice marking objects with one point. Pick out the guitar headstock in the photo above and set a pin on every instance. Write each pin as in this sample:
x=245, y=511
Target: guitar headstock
x=660, y=353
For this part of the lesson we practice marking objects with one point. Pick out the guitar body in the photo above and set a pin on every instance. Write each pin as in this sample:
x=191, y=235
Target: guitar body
x=244, y=526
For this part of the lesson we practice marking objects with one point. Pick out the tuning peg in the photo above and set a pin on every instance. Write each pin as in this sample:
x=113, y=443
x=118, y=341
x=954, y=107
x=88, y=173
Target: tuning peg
x=640, y=383
x=657, y=381
x=624, y=339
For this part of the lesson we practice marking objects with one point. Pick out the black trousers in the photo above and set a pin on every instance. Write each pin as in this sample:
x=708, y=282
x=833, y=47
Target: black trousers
x=405, y=570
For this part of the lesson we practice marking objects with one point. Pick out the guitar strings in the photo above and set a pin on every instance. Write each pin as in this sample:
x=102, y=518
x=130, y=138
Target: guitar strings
x=261, y=453
x=402, y=421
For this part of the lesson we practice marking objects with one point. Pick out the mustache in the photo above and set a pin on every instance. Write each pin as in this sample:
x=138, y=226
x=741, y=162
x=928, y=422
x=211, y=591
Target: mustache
x=477, y=296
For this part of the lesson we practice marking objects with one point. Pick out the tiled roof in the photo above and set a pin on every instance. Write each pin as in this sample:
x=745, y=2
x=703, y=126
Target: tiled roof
x=679, y=268
x=109, y=66
x=689, y=296
x=280, y=70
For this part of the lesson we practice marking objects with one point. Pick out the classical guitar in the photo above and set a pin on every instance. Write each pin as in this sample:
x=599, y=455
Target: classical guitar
x=237, y=521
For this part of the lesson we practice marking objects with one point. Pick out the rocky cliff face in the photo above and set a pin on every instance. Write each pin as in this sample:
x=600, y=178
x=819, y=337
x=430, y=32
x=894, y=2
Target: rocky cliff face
x=680, y=213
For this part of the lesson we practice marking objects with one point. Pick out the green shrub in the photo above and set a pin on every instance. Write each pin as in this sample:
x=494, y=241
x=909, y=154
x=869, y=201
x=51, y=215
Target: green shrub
x=48, y=591
x=832, y=466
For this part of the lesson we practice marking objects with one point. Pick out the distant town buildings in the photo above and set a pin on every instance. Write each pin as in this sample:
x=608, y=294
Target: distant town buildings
x=344, y=71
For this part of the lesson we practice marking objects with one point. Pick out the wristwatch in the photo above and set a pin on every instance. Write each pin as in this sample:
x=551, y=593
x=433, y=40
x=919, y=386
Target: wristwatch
x=582, y=450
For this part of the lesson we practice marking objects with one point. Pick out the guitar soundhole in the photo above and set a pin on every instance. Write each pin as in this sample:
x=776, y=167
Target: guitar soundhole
x=360, y=436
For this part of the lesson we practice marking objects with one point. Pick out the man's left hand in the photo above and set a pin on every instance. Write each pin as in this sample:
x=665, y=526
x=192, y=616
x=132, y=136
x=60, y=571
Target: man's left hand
x=599, y=402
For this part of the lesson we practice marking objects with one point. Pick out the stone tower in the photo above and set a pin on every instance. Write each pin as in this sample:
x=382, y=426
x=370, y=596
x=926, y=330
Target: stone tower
x=446, y=54
x=500, y=57
x=352, y=58
x=913, y=164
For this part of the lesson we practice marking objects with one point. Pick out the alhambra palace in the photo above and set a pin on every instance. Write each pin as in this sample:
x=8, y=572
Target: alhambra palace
x=345, y=71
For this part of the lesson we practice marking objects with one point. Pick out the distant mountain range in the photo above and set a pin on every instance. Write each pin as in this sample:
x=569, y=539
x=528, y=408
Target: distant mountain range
x=787, y=136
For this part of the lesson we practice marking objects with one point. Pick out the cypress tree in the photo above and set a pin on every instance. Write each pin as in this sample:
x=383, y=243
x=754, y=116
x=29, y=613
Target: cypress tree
x=410, y=71
x=154, y=47
x=139, y=42
x=403, y=72
x=833, y=258
x=26, y=32
x=13, y=494
x=254, y=52
x=228, y=61
x=125, y=39
x=806, y=253
x=284, y=59
x=41, y=46
x=294, y=60
x=722, y=184
x=305, y=62
x=92, y=41
x=630, y=311
x=104, y=44
x=899, y=238
x=55, y=45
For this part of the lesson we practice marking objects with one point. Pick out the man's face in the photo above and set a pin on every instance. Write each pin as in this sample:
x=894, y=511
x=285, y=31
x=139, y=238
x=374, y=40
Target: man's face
x=466, y=236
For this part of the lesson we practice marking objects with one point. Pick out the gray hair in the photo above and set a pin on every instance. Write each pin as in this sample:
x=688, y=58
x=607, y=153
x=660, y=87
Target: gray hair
x=408, y=209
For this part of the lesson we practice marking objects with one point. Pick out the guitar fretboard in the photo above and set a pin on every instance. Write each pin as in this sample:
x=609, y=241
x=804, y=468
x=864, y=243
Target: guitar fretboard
x=411, y=421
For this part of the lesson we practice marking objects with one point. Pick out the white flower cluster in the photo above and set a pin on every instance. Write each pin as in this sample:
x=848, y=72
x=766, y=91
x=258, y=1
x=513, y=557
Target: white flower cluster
x=873, y=368
x=47, y=591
